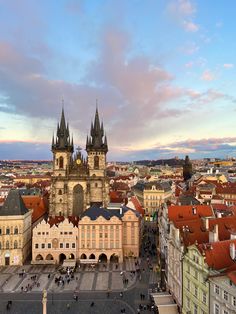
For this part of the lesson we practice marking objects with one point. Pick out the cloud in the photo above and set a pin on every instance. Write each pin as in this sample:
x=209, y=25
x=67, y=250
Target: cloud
x=190, y=48
x=208, y=76
x=182, y=12
x=228, y=65
x=190, y=26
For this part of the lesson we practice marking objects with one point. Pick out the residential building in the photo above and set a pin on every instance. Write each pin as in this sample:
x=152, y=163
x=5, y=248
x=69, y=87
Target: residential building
x=152, y=195
x=15, y=230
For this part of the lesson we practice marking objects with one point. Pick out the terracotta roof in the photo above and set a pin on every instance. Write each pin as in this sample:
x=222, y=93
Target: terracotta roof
x=56, y=220
x=39, y=205
x=232, y=276
x=137, y=205
x=178, y=212
x=217, y=254
x=193, y=230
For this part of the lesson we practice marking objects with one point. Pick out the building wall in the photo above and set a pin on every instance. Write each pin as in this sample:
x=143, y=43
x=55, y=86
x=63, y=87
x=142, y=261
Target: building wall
x=100, y=236
x=49, y=243
x=175, y=252
x=195, y=284
x=19, y=238
x=222, y=295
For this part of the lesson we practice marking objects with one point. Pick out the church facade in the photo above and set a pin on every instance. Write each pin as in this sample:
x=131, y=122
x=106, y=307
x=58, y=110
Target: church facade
x=78, y=183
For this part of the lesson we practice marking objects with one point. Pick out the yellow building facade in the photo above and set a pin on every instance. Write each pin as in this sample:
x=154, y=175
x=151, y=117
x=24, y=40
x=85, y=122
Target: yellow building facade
x=15, y=230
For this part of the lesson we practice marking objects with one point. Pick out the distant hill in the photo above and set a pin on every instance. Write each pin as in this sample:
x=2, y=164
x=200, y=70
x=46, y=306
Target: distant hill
x=173, y=162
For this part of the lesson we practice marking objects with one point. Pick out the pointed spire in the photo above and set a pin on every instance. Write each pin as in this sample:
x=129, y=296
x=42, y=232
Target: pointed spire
x=96, y=142
x=63, y=141
x=53, y=144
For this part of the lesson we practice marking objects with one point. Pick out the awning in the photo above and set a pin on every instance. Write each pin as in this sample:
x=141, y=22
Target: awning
x=69, y=263
x=165, y=303
x=88, y=261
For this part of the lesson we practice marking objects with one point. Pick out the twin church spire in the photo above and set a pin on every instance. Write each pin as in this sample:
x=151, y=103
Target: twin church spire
x=63, y=139
x=95, y=141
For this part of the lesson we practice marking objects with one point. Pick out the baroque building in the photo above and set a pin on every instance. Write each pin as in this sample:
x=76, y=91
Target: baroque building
x=15, y=230
x=78, y=183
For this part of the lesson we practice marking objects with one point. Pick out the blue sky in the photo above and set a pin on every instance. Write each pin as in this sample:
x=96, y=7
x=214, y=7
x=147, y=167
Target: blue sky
x=163, y=72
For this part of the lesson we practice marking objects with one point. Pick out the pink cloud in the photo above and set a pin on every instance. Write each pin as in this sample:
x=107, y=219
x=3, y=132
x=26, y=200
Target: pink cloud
x=182, y=12
x=190, y=26
x=208, y=76
x=228, y=65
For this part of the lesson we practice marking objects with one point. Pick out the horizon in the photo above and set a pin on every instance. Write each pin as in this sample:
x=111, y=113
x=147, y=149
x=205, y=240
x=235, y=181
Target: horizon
x=163, y=74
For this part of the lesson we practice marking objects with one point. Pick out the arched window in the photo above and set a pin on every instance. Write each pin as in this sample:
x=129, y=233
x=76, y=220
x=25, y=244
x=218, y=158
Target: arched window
x=16, y=230
x=7, y=245
x=60, y=192
x=15, y=244
x=61, y=163
x=7, y=230
x=96, y=162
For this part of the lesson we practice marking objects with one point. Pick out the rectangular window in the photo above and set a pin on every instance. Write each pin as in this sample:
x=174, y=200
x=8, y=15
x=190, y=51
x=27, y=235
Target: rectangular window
x=188, y=285
x=73, y=246
x=106, y=235
x=36, y=246
x=226, y=295
x=70, y=232
x=217, y=289
x=49, y=245
x=195, y=274
x=204, y=299
x=100, y=235
x=43, y=233
x=216, y=309
x=188, y=303
x=65, y=232
x=43, y=246
x=234, y=301
x=0, y=231
x=67, y=245
x=39, y=233
x=100, y=245
x=61, y=245
x=226, y=312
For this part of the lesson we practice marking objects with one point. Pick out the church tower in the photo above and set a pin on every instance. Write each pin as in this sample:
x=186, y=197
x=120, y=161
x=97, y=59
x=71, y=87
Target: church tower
x=96, y=147
x=62, y=149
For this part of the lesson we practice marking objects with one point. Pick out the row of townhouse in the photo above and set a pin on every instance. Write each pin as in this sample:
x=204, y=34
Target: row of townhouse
x=199, y=251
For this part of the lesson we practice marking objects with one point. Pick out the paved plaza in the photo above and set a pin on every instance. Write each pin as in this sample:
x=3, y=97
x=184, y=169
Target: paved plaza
x=103, y=277
x=111, y=287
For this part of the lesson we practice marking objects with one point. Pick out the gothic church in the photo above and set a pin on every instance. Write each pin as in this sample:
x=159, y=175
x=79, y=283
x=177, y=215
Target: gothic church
x=78, y=183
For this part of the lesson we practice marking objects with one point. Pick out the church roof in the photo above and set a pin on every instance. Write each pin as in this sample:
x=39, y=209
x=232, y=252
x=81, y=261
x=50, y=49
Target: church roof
x=14, y=205
x=96, y=140
x=63, y=140
x=94, y=212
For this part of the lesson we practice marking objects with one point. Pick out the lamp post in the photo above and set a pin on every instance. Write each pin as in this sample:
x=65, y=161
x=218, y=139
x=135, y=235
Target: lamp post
x=44, y=301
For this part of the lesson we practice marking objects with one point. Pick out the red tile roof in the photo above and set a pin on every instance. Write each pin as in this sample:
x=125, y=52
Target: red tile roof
x=39, y=205
x=58, y=219
x=217, y=254
x=179, y=212
x=193, y=230
x=137, y=205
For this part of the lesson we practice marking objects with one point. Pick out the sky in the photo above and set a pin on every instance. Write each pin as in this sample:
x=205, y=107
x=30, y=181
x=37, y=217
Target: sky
x=163, y=73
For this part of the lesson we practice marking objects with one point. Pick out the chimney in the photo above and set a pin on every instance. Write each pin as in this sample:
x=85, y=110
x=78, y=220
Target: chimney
x=232, y=251
x=214, y=235
x=194, y=210
x=207, y=223
x=121, y=210
x=232, y=235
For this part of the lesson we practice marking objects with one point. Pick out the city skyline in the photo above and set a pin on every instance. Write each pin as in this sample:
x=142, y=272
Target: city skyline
x=162, y=73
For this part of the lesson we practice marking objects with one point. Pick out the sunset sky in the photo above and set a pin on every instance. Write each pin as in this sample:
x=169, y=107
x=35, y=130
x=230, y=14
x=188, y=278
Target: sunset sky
x=163, y=73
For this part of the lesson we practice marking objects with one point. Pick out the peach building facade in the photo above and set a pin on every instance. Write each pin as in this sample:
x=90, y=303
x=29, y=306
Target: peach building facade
x=55, y=240
x=101, y=235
